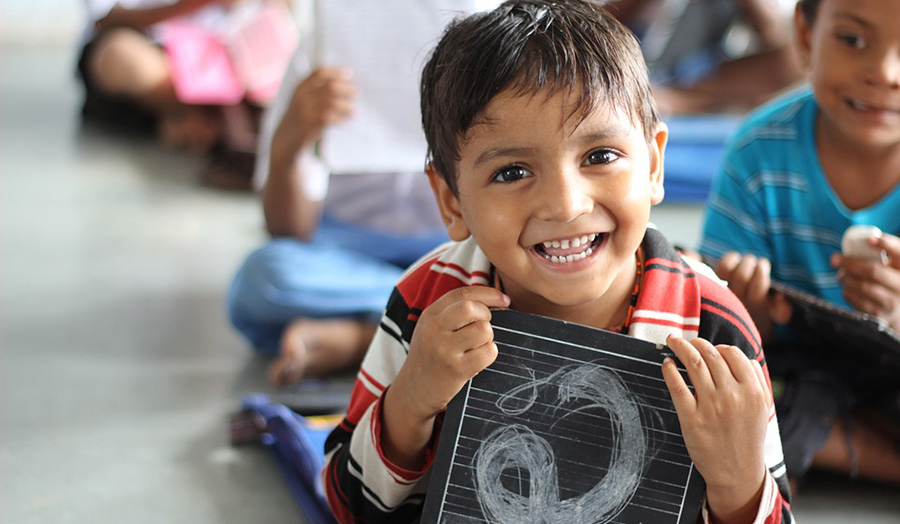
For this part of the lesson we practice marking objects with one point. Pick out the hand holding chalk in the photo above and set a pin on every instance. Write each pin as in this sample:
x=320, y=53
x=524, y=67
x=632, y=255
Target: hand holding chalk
x=855, y=244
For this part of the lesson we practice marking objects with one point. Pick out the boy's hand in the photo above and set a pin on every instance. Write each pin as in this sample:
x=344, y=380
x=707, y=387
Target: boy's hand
x=749, y=278
x=870, y=286
x=326, y=97
x=452, y=342
x=723, y=422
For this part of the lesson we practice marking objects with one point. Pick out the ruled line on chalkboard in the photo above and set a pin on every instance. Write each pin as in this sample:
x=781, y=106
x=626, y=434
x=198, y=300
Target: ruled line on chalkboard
x=580, y=346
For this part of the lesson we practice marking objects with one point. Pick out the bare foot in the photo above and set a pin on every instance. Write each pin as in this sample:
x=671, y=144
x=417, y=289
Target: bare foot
x=315, y=348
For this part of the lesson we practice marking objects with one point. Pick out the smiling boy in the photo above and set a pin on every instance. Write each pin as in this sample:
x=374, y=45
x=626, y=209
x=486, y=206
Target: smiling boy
x=800, y=172
x=546, y=157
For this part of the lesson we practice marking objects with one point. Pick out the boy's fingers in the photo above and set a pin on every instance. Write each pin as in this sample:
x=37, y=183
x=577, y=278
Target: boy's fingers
x=681, y=395
x=763, y=383
x=739, y=365
x=488, y=296
x=693, y=362
x=328, y=74
x=463, y=306
x=474, y=335
x=872, y=301
x=726, y=265
x=742, y=276
x=715, y=364
x=891, y=245
x=881, y=283
x=760, y=281
x=341, y=90
x=480, y=357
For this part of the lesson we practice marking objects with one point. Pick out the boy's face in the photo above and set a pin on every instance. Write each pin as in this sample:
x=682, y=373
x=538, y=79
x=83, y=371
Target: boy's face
x=852, y=52
x=558, y=205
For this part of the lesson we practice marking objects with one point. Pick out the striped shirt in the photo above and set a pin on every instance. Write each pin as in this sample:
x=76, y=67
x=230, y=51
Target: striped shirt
x=676, y=297
x=773, y=200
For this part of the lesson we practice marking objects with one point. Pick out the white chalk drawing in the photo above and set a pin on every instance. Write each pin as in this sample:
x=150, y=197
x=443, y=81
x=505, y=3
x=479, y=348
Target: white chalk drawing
x=569, y=424
x=516, y=450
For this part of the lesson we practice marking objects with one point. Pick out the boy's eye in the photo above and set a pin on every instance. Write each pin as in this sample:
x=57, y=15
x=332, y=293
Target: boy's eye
x=510, y=174
x=601, y=156
x=852, y=41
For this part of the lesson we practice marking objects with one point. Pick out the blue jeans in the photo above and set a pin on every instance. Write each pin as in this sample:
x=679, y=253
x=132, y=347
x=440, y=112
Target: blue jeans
x=343, y=271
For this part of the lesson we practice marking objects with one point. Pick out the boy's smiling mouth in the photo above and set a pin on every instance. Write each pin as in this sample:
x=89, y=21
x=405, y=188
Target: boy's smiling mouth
x=568, y=250
x=867, y=108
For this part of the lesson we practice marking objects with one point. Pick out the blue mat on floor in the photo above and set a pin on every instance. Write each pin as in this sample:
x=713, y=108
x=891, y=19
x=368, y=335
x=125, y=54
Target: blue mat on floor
x=694, y=154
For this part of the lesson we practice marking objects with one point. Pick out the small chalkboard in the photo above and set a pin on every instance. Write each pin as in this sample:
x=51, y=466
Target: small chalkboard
x=850, y=337
x=569, y=424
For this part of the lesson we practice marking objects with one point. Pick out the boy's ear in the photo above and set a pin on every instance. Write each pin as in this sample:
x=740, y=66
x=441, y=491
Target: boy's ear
x=657, y=163
x=448, y=203
x=803, y=36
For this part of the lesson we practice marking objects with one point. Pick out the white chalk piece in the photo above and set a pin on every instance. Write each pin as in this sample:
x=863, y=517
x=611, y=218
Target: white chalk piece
x=855, y=244
x=569, y=424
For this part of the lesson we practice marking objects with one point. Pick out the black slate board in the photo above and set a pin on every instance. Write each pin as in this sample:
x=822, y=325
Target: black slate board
x=852, y=341
x=569, y=424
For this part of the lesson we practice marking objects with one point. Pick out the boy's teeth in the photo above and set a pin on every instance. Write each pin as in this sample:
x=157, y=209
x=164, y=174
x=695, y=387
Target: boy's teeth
x=570, y=242
x=569, y=258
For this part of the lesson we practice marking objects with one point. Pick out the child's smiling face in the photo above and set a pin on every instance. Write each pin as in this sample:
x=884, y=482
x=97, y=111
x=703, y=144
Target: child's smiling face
x=852, y=51
x=558, y=204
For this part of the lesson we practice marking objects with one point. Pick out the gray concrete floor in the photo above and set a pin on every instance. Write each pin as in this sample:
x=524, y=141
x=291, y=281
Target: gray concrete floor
x=118, y=366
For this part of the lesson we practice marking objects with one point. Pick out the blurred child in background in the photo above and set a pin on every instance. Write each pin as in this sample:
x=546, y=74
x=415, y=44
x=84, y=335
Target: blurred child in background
x=127, y=75
x=713, y=55
x=801, y=171
x=339, y=169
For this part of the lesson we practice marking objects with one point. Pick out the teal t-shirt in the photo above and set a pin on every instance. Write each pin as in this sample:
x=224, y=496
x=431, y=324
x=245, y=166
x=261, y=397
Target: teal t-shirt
x=771, y=199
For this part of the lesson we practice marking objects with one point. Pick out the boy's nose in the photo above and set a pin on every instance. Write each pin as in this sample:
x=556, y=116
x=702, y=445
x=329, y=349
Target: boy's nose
x=562, y=198
x=885, y=69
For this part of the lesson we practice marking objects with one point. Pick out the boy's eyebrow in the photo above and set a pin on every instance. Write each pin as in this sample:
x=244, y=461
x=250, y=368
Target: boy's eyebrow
x=593, y=136
x=853, y=17
x=501, y=152
x=606, y=133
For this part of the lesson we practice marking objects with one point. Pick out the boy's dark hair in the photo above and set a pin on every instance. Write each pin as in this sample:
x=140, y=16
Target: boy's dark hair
x=526, y=45
x=809, y=8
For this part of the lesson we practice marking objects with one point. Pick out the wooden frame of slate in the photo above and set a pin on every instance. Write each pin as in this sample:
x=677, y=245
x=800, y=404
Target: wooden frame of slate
x=569, y=424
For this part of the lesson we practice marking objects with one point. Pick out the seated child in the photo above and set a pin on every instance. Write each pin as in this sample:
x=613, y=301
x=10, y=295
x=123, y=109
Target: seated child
x=708, y=56
x=348, y=214
x=128, y=77
x=546, y=155
x=800, y=172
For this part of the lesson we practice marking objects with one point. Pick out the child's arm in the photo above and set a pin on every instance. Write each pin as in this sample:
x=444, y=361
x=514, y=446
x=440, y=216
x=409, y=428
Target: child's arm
x=291, y=201
x=724, y=423
x=453, y=341
x=376, y=458
x=870, y=286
